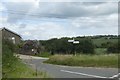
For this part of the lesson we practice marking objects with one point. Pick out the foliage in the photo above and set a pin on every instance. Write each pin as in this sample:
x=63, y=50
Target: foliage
x=114, y=48
x=9, y=59
x=85, y=46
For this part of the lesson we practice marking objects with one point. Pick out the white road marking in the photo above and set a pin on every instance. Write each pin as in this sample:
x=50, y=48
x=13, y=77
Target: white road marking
x=84, y=67
x=86, y=74
x=116, y=76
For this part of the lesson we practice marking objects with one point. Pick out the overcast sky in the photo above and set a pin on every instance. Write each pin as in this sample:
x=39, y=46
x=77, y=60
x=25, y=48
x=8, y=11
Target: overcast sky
x=35, y=19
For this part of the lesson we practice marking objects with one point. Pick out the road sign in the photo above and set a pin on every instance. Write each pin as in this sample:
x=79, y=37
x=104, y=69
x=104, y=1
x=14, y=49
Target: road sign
x=71, y=40
x=76, y=42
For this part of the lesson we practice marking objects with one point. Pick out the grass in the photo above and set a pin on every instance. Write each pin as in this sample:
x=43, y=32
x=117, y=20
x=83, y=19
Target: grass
x=99, y=41
x=110, y=61
x=21, y=70
x=44, y=54
x=101, y=50
x=12, y=67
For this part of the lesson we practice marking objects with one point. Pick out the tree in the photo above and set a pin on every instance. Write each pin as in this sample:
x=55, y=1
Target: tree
x=85, y=46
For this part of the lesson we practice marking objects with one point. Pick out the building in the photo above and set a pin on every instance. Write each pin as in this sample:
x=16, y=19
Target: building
x=10, y=35
x=30, y=47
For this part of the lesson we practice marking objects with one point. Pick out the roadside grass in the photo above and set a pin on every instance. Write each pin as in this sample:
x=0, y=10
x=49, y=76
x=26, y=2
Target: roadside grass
x=44, y=54
x=21, y=70
x=13, y=67
x=109, y=61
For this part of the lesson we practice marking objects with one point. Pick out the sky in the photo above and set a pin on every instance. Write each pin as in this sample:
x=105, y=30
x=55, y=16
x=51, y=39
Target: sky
x=42, y=20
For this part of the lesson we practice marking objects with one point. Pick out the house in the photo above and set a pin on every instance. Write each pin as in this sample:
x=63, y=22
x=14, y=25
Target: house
x=10, y=35
x=30, y=47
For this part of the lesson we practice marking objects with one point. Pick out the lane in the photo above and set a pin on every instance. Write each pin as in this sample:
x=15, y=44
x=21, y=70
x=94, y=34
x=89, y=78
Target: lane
x=57, y=71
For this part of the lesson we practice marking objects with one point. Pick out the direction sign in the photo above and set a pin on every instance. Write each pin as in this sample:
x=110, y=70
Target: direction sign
x=71, y=40
x=76, y=42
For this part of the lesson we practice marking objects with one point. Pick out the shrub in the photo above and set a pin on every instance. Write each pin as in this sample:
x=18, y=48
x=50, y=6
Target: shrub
x=85, y=46
x=114, y=48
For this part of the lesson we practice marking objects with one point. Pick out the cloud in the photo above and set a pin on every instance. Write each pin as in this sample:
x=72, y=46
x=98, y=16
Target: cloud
x=44, y=20
x=99, y=22
x=16, y=11
x=22, y=26
x=63, y=10
x=96, y=25
x=61, y=0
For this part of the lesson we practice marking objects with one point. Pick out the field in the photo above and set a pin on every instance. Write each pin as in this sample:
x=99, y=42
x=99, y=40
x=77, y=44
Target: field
x=100, y=50
x=100, y=41
x=110, y=61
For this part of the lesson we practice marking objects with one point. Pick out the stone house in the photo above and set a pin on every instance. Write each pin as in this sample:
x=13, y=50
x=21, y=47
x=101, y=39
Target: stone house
x=30, y=47
x=10, y=35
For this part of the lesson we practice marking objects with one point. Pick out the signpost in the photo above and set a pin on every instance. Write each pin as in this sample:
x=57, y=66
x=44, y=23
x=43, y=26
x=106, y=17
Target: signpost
x=74, y=42
x=71, y=40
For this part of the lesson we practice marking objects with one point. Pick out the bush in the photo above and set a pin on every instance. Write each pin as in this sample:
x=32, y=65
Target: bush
x=86, y=46
x=114, y=48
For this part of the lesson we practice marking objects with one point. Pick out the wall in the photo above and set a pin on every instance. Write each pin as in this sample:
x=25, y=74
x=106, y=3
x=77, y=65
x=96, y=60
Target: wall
x=9, y=35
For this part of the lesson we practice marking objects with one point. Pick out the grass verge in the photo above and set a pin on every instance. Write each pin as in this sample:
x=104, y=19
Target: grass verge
x=110, y=60
x=12, y=67
x=44, y=54
x=21, y=70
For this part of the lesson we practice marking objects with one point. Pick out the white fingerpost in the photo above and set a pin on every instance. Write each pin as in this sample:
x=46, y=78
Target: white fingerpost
x=74, y=42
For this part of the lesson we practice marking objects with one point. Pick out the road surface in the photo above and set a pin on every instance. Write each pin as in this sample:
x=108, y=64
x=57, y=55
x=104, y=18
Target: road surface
x=57, y=71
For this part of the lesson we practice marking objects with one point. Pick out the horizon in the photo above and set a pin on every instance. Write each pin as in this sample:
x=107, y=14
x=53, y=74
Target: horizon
x=72, y=37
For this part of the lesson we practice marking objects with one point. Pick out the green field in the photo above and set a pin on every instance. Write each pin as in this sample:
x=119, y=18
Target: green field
x=100, y=41
x=100, y=50
x=85, y=60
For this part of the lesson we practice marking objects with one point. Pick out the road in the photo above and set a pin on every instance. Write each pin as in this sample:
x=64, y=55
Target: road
x=57, y=71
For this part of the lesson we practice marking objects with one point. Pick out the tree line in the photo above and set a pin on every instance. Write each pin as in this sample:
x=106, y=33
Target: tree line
x=86, y=45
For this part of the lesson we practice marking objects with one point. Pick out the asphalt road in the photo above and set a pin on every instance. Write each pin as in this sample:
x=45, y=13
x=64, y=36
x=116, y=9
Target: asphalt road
x=57, y=71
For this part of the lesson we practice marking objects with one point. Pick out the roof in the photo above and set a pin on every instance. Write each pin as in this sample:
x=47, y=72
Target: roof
x=10, y=31
x=1, y=28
